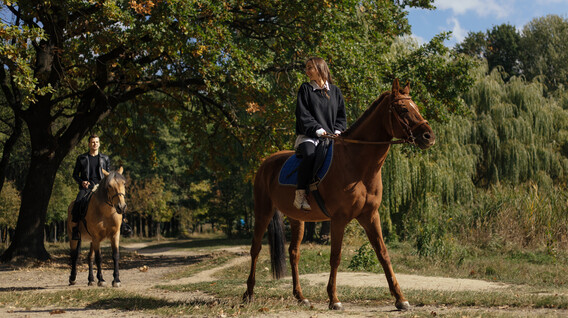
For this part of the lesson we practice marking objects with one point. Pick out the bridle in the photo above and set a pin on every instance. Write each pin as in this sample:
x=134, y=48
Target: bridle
x=410, y=139
x=409, y=130
x=110, y=200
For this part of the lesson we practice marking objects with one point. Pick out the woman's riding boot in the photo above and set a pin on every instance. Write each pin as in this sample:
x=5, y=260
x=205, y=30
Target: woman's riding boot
x=301, y=201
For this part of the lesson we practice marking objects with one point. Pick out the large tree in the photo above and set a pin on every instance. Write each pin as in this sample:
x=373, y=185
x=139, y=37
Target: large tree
x=500, y=46
x=544, y=47
x=503, y=43
x=67, y=64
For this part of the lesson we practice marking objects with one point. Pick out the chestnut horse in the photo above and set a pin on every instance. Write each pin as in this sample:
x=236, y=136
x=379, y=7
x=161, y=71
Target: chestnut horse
x=352, y=189
x=103, y=220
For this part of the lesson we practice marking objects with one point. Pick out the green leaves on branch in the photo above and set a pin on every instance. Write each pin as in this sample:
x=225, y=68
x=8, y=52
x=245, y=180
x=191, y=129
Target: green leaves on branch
x=18, y=57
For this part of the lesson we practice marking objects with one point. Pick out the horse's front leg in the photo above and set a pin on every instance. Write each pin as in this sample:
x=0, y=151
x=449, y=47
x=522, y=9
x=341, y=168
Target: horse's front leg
x=294, y=250
x=90, y=260
x=98, y=261
x=372, y=224
x=337, y=231
x=115, y=257
x=75, y=248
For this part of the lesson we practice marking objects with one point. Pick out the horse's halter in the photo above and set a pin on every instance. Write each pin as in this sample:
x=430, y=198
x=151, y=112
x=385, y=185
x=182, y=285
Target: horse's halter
x=409, y=130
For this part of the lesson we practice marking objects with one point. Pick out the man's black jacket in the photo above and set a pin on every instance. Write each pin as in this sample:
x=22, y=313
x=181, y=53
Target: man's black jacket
x=81, y=170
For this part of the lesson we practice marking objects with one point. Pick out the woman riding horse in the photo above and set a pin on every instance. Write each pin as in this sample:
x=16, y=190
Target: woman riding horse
x=352, y=189
x=320, y=111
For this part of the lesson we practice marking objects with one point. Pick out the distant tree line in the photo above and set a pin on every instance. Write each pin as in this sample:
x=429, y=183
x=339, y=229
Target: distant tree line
x=539, y=50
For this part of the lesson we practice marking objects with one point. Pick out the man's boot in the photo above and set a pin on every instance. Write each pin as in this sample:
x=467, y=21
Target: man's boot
x=75, y=235
x=301, y=201
x=125, y=229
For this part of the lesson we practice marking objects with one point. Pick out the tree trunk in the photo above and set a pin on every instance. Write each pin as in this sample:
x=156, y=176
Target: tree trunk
x=28, y=240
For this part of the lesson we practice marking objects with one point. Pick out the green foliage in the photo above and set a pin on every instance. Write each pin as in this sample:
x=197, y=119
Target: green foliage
x=503, y=42
x=9, y=205
x=474, y=44
x=545, y=50
x=149, y=197
x=364, y=258
x=429, y=69
x=496, y=176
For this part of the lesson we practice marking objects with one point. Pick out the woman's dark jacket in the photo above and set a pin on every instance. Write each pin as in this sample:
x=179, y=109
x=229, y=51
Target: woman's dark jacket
x=315, y=110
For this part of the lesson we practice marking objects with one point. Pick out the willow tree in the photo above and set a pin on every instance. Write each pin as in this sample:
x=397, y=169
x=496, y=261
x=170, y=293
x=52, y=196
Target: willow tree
x=514, y=137
x=67, y=64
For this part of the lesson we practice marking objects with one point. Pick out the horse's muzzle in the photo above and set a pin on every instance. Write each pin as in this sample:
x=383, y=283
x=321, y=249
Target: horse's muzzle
x=121, y=208
x=426, y=140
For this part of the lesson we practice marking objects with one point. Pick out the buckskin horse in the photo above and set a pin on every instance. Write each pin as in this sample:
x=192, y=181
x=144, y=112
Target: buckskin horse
x=103, y=220
x=352, y=189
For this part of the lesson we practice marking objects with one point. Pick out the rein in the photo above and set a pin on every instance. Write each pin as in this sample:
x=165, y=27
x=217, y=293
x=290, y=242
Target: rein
x=363, y=142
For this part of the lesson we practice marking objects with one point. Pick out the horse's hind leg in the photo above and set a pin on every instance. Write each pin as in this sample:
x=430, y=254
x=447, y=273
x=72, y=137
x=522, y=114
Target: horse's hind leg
x=372, y=224
x=75, y=248
x=263, y=214
x=297, y=228
x=115, y=256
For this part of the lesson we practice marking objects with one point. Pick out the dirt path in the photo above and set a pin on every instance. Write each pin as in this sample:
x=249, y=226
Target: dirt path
x=142, y=275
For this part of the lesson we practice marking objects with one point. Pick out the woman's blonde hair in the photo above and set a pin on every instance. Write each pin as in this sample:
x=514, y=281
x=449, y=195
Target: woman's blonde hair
x=321, y=68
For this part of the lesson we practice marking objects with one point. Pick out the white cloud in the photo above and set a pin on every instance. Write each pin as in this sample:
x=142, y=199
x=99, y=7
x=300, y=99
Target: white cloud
x=458, y=32
x=498, y=8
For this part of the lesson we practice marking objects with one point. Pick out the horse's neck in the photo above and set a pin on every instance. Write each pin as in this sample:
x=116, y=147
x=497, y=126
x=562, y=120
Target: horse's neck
x=369, y=158
x=377, y=126
x=100, y=203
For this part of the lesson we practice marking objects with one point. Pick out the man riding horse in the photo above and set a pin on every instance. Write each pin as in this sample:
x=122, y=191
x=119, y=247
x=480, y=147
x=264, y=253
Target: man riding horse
x=88, y=172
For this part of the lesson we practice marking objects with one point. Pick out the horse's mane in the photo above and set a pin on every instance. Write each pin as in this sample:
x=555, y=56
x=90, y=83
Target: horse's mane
x=102, y=190
x=366, y=114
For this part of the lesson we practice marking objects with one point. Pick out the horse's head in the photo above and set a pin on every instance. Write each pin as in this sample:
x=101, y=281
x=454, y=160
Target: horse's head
x=116, y=189
x=405, y=119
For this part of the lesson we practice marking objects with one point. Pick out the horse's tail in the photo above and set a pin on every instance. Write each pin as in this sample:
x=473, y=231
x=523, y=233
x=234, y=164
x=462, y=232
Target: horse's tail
x=276, y=240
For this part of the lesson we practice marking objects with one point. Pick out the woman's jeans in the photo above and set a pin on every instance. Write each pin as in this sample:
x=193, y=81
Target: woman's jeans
x=307, y=150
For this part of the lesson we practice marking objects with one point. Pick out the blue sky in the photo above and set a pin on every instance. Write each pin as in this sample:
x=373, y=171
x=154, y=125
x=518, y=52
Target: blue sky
x=463, y=16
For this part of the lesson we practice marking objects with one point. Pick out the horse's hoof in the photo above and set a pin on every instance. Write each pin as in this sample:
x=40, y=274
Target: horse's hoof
x=102, y=284
x=305, y=302
x=115, y=284
x=248, y=298
x=91, y=283
x=72, y=282
x=405, y=305
x=336, y=306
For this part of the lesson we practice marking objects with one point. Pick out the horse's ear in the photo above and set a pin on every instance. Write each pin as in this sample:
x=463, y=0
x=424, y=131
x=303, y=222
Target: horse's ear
x=406, y=89
x=120, y=170
x=105, y=172
x=395, y=87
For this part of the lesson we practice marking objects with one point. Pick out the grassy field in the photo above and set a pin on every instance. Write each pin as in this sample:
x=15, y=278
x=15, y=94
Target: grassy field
x=538, y=278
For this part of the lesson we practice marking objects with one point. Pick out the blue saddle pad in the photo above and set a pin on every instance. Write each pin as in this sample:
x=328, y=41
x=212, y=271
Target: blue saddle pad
x=289, y=172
